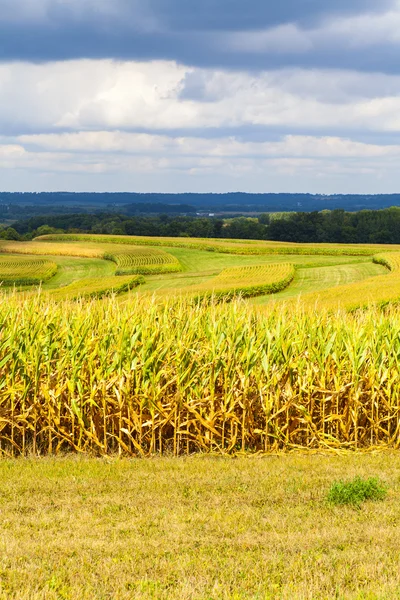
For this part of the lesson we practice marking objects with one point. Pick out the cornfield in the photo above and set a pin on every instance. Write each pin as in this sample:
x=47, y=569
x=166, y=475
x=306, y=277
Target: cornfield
x=247, y=281
x=144, y=377
x=97, y=287
x=15, y=270
x=248, y=247
x=146, y=261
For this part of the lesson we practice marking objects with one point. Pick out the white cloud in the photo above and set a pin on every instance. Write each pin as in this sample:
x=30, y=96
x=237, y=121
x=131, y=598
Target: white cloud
x=87, y=118
x=120, y=154
x=117, y=142
x=99, y=95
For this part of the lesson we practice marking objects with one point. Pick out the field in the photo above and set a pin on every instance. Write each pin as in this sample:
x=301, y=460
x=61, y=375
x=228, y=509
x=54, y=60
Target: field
x=97, y=287
x=15, y=270
x=174, y=411
x=196, y=529
x=196, y=266
x=218, y=352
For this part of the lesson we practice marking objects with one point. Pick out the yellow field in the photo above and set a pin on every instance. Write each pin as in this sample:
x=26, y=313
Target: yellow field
x=15, y=270
x=146, y=261
x=246, y=281
x=250, y=247
x=97, y=287
x=139, y=375
x=133, y=255
x=145, y=377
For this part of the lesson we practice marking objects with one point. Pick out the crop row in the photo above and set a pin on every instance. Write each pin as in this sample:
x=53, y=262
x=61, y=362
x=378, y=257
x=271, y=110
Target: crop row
x=15, y=270
x=137, y=260
x=140, y=377
x=251, y=247
x=247, y=281
x=145, y=261
x=97, y=287
x=374, y=290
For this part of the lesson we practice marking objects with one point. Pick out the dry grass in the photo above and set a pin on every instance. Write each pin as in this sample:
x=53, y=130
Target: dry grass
x=197, y=529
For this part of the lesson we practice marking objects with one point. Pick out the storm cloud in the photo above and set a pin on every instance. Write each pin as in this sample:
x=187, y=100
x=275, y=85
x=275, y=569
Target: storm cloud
x=296, y=95
x=227, y=33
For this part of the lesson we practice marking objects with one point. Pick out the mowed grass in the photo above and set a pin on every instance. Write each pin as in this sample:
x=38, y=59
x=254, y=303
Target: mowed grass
x=199, y=260
x=71, y=269
x=197, y=529
x=320, y=278
x=199, y=266
x=381, y=290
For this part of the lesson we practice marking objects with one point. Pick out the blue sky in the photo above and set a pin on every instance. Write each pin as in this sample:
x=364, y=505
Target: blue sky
x=177, y=95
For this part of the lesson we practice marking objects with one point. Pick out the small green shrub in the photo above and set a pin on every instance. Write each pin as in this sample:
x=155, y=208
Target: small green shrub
x=356, y=491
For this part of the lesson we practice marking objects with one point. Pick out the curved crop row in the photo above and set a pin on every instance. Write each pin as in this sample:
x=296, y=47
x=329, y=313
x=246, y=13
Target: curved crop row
x=145, y=261
x=129, y=261
x=15, y=270
x=246, y=281
x=97, y=287
x=381, y=289
x=248, y=247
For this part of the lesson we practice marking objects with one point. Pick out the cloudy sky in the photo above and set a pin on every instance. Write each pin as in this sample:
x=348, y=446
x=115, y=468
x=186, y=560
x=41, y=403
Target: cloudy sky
x=210, y=95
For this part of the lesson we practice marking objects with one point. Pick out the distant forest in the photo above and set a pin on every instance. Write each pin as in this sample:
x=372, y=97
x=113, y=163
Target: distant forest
x=337, y=226
x=18, y=205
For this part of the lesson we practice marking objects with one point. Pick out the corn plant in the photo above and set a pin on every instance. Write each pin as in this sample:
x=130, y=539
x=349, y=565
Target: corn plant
x=141, y=377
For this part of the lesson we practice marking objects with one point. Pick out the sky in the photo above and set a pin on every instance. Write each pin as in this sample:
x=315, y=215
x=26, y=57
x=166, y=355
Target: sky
x=200, y=96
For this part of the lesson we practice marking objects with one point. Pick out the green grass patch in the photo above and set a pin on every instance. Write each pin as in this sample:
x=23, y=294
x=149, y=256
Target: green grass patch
x=356, y=491
x=321, y=278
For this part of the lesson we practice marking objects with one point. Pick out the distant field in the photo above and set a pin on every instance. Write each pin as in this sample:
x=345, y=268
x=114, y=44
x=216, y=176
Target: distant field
x=373, y=290
x=195, y=267
x=228, y=246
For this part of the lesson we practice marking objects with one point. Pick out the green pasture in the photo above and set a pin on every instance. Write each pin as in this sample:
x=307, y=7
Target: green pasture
x=214, y=262
x=320, y=278
x=71, y=269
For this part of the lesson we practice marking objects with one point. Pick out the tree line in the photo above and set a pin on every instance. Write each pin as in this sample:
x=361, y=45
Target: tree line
x=337, y=226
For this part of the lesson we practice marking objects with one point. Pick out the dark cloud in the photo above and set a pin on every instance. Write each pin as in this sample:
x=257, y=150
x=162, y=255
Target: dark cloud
x=183, y=30
x=234, y=15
